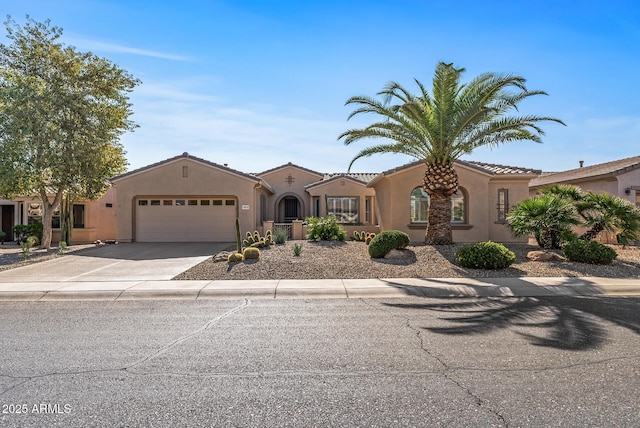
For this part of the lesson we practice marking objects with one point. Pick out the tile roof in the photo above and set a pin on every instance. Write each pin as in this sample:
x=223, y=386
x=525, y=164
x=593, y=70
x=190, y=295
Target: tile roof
x=185, y=155
x=286, y=165
x=489, y=168
x=365, y=177
x=588, y=172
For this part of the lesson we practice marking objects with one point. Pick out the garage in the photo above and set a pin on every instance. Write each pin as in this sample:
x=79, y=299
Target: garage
x=185, y=219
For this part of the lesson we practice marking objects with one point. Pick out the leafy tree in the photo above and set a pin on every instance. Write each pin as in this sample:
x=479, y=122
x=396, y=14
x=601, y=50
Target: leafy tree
x=546, y=216
x=61, y=115
x=441, y=126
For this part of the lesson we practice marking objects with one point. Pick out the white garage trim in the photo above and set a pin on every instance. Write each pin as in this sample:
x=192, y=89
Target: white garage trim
x=162, y=218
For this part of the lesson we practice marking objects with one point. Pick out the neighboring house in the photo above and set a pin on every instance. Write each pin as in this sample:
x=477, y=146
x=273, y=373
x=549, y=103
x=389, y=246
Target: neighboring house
x=186, y=198
x=620, y=177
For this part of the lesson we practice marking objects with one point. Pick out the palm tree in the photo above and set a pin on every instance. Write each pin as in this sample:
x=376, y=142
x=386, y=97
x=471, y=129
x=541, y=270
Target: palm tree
x=441, y=126
x=546, y=216
x=604, y=211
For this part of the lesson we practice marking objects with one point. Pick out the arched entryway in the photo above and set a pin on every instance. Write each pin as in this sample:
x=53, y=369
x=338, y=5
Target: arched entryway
x=289, y=207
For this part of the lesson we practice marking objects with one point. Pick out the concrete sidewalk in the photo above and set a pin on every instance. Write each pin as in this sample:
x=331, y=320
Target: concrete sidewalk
x=320, y=288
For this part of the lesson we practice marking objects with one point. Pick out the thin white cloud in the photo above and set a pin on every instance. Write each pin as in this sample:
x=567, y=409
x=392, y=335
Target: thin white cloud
x=101, y=46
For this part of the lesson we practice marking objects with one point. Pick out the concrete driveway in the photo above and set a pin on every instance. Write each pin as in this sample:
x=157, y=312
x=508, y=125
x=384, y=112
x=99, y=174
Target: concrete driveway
x=121, y=262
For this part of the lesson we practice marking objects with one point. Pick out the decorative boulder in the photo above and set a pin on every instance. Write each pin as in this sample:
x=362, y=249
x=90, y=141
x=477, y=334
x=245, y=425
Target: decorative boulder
x=396, y=255
x=543, y=256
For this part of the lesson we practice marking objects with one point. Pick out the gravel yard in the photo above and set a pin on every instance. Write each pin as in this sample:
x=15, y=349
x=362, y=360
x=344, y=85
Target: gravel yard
x=351, y=260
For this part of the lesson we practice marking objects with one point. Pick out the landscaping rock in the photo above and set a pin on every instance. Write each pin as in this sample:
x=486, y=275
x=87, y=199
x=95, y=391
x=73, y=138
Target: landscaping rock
x=221, y=256
x=543, y=256
x=397, y=255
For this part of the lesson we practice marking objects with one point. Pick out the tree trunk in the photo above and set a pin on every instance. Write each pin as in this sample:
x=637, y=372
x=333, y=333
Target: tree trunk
x=591, y=234
x=66, y=218
x=48, y=208
x=440, y=182
x=439, y=222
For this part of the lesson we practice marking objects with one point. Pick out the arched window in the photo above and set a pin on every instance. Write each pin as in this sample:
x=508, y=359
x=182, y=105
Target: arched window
x=420, y=206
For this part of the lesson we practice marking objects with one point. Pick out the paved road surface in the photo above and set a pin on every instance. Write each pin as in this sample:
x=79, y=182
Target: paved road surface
x=528, y=361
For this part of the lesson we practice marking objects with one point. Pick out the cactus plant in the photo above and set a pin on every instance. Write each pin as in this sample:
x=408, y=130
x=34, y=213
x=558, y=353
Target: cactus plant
x=238, y=238
x=251, y=253
x=234, y=257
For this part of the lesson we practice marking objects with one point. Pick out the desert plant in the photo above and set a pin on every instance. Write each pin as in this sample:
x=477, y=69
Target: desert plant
x=297, y=249
x=251, y=253
x=592, y=252
x=234, y=257
x=280, y=236
x=546, y=216
x=324, y=229
x=62, y=247
x=369, y=237
x=386, y=241
x=255, y=240
x=485, y=255
x=238, y=236
x=27, y=245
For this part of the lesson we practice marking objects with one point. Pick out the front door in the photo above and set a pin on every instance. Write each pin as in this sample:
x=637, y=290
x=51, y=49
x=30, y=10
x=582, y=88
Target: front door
x=290, y=209
x=7, y=221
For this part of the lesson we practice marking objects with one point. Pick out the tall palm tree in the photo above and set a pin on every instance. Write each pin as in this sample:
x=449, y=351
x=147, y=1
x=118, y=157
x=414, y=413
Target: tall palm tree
x=441, y=126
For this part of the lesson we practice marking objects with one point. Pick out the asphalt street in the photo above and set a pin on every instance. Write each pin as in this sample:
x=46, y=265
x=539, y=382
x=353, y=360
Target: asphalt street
x=527, y=361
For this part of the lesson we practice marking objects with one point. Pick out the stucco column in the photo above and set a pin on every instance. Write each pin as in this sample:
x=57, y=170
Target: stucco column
x=296, y=233
x=267, y=225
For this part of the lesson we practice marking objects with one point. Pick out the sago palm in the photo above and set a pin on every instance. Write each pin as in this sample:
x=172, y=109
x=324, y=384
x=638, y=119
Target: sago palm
x=440, y=126
x=604, y=211
x=546, y=216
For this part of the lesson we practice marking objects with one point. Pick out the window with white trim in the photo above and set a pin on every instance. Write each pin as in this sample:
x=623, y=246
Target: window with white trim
x=344, y=209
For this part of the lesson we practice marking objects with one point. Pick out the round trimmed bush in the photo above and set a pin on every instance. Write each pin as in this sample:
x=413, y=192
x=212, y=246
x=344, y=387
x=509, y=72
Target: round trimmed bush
x=485, y=255
x=386, y=241
x=589, y=252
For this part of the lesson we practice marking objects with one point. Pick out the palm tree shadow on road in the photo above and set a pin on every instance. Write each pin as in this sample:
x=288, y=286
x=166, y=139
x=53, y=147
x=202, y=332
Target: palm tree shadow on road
x=570, y=323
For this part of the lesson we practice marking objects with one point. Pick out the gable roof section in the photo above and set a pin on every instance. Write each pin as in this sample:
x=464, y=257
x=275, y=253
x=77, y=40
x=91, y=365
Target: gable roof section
x=289, y=164
x=601, y=170
x=359, y=178
x=186, y=155
x=482, y=167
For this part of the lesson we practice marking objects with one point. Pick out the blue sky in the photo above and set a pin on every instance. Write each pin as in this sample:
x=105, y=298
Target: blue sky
x=256, y=84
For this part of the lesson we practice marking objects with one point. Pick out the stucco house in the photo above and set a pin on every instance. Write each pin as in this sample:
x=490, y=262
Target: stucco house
x=186, y=198
x=619, y=177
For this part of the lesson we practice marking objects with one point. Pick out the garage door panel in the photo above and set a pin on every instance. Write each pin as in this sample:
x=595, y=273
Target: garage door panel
x=185, y=223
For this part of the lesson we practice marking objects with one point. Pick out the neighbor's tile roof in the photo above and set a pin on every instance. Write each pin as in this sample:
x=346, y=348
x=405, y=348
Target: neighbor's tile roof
x=588, y=172
x=286, y=165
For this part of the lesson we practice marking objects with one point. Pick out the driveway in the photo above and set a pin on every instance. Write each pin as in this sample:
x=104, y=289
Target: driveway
x=121, y=262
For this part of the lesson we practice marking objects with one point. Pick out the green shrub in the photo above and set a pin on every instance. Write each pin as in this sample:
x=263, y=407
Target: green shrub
x=280, y=236
x=26, y=246
x=297, y=249
x=234, y=257
x=324, y=229
x=251, y=253
x=589, y=252
x=485, y=255
x=2, y=236
x=386, y=241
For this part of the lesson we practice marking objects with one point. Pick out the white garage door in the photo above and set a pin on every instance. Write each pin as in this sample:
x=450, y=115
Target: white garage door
x=189, y=219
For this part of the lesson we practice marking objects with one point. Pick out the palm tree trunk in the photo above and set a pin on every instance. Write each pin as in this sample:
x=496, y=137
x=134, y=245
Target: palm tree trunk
x=439, y=223
x=440, y=182
x=591, y=234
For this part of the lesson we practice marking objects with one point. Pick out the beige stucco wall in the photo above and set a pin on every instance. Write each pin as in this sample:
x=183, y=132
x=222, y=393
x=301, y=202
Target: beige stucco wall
x=167, y=179
x=345, y=187
x=608, y=184
x=278, y=180
x=393, y=194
